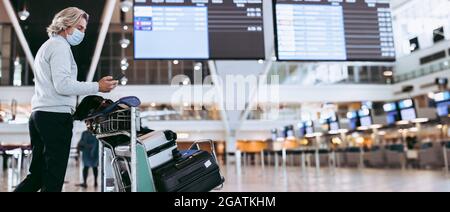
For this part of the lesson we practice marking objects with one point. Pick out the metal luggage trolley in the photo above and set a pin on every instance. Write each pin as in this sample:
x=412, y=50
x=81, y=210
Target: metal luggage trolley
x=124, y=123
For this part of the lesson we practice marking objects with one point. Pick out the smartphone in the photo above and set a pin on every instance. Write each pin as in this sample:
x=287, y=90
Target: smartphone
x=118, y=76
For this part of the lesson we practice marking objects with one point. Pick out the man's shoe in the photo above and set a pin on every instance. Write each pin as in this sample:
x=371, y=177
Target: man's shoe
x=83, y=185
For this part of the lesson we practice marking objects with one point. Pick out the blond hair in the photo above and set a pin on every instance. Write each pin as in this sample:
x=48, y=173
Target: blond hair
x=67, y=18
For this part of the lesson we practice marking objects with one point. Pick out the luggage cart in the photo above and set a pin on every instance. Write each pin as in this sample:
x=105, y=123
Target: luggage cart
x=125, y=124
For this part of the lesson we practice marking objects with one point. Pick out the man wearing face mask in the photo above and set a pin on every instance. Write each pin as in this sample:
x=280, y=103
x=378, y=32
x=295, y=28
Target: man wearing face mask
x=54, y=101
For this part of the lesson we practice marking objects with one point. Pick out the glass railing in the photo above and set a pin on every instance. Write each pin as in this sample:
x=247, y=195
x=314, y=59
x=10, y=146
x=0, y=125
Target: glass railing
x=315, y=74
x=423, y=71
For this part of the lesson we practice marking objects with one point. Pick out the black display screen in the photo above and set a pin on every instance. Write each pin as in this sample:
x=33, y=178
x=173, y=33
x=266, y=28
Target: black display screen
x=326, y=30
x=198, y=29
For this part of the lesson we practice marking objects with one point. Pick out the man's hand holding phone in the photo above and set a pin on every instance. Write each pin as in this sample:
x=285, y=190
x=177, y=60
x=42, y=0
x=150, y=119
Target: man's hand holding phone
x=107, y=84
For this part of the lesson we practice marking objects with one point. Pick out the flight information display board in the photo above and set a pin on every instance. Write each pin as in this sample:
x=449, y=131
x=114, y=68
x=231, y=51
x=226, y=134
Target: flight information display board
x=198, y=29
x=334, y=30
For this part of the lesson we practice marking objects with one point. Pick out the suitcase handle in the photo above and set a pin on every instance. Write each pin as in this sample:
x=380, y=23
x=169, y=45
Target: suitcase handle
x=195, y=146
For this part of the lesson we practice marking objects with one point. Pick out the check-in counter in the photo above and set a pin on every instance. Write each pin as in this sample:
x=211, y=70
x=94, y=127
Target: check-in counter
x=353, y=156
x=324, y=158
x=376, y=156
x=396, y=155
x=431, y=155
x=252, y=149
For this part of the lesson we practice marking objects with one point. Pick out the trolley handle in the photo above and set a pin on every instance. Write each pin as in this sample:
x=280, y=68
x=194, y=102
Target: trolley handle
x=196, y=146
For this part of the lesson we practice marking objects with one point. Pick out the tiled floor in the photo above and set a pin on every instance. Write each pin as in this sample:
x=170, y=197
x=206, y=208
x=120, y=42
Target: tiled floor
x=72, y=179
x=256, y=179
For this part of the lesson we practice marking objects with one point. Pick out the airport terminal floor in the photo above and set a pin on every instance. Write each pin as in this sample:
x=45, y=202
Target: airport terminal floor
x=293, y=179
x=224, y=96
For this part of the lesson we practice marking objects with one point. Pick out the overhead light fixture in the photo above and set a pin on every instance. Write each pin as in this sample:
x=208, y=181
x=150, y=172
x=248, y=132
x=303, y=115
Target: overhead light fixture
x=124, y=64
x=412, y=47
x=126, y=6
x=336, y=141
x=176, y=62
x=333, y=132
x=124, y=43
x=124, y=80
x=363, y=128
x=309, y=135
x=376, y=126
x=125, y=27
x=343, y=131
x=360, y=140
x=420, y=120
x=388, y=73
x=413, y=129
x=313, y=135
x=304, y=142
x=291, y=138
x=24, y=14
x=17, y=61
x=186, y=81
x=382, y=133
x=183, y=135
x=124, y=67
x=198, y=67
x=340, y=131
x=402, y=123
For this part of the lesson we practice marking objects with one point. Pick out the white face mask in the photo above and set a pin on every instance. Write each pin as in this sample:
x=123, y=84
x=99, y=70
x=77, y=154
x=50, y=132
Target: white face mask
x=75, y=38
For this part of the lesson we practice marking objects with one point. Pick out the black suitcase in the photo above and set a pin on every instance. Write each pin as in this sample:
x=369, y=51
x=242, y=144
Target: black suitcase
x=194, y=171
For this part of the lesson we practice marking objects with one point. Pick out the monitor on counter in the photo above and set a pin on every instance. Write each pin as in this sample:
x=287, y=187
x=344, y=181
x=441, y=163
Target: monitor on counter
x=274, y=134
x=185, y=29
x=324, y=30
x=281, y=133
x=353, y=120
x=443, y=108
x=289, y=131
x=366, y=121
x=365, y=117
x=442, y=100
x=392, y=113
x=334, y=126
x=333, y=123
x=407, y=110
x=442, y=96
x=408, y=114
x=309, y=127
x=389, y=107
x=392, y=117
x=301, y=130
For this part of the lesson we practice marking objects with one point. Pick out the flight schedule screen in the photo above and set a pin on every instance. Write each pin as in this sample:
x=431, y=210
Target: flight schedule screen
x=334, y=30
x=198, y=29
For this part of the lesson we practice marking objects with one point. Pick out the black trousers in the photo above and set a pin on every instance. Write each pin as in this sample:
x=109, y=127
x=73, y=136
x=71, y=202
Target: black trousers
x=51, y=136
x=86, y=173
